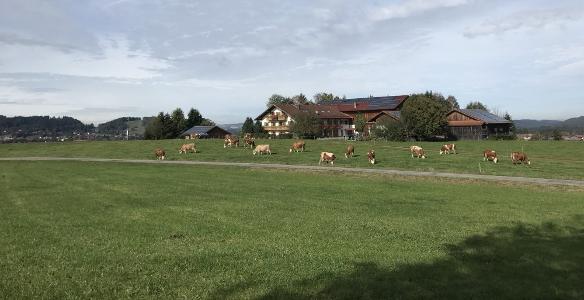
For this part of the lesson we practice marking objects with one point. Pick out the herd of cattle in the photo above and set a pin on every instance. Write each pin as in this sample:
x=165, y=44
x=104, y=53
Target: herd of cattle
x=329, y=157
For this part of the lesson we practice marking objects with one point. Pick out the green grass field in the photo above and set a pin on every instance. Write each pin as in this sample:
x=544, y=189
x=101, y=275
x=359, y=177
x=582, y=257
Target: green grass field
x=108, y=230
x=549, y=159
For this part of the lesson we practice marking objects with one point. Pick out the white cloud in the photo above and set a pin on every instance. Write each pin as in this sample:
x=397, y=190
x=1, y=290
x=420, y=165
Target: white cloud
x=531, y=19
x=408, y=8
x=117, y=60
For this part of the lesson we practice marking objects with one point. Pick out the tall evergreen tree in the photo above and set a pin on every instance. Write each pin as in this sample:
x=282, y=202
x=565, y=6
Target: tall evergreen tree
x=194, y=118
x=247, y=126
x=178, y=122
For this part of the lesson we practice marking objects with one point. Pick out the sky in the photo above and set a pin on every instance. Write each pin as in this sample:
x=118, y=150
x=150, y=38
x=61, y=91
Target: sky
x=97, y=60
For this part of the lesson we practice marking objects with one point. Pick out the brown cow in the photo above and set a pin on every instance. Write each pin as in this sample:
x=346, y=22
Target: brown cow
x=298, y=146
x=350, y=151
x=519, y=158
x=230, y=140
x=371, y=156
x=261, y=149
x=187, y=148
x=446, y=149
x=417, y=151
x=490, y=155
x=160, y=154
x=248, y=140
x=327, y=157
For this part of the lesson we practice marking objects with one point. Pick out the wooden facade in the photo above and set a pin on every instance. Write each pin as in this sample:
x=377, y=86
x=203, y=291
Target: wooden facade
x=470, y=125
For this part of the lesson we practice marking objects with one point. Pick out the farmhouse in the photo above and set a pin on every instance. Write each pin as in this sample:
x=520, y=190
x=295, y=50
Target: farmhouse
x=336, y=116
x=476, y=124
x=200, y=132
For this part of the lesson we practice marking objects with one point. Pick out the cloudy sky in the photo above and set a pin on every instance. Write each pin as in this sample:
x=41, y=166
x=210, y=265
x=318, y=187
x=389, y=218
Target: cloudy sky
x=98, y=60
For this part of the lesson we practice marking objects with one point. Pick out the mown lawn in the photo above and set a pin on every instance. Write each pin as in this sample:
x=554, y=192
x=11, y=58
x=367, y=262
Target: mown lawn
x=549, y=159
x=107, y=230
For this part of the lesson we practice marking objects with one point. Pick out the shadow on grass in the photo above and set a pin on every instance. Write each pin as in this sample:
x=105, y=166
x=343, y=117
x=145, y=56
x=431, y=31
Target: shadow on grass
x=522, y=262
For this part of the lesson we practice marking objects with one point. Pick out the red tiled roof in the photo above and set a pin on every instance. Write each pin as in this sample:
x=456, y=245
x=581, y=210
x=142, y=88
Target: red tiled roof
x=323, y=111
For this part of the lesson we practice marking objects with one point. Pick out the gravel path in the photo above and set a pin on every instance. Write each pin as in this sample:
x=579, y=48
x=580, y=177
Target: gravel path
x=542, y=181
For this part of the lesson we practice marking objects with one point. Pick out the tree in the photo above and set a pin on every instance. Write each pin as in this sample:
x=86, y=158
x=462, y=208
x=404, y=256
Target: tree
x=247, y=126
x=453, y=102
x=512, y=127
x=278, y=99
x=306, y=125
x=258, y=129
x=360, y=123
x=154, y=130
x=424, y=117
x=390, y=129
x=476, y=105
x=321, y=98
x=207, y=122
x=194, y=118
x=556, y=135
x=299, y=99
x=178, y=121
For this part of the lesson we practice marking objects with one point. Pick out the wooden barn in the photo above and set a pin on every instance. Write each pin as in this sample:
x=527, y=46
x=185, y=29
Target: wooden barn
x=202, y=132
x=476, y=124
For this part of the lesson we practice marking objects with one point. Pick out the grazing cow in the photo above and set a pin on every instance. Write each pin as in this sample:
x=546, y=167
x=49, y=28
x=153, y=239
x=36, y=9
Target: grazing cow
x=417, y=151
x=327, y=157
x=298, y=146
x=519, y=158
x=446, y=149
x=187, y=148
x=231, y=140
x=261, y=149
x=350, y=151
x=371, y=156
x=248, y=140
x=490, y=155
x=160, y=154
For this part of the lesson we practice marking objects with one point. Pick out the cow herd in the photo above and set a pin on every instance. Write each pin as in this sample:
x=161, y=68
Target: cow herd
x=329, y=157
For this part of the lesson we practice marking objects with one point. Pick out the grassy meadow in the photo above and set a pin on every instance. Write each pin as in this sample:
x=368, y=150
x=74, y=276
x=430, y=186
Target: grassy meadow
x=115, y=230
x=550, y=159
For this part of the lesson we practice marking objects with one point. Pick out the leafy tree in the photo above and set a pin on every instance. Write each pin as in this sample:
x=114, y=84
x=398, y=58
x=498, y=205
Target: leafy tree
x=425, y=117
x=557, y=135
x=306, y=125
x=390, y=129
x=299, y=99
x=360, y=123
x=247, y=126
x=324, y=97
x=453, y=102
x=178, y=121
x=278, y=99
x=194, y=118
x=476, y=105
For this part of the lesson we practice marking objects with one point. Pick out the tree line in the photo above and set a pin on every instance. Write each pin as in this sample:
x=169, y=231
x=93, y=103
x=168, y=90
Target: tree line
x=170, y=126
x=319, y=98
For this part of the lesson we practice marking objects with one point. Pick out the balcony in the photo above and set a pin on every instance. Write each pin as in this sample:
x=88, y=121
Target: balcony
x=276, y=128
x=277, y=118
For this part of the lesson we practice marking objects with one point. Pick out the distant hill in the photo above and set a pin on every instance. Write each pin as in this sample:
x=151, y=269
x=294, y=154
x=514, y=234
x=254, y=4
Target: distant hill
x=41, y=126
x=573, y=123
x=135, y=125
x=534, y=124
x=233, y=128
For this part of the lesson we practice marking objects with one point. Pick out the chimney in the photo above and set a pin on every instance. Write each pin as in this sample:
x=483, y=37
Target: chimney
x=355, y=105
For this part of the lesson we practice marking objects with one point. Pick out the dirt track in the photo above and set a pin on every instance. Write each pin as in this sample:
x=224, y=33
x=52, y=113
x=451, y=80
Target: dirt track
x=542, y=181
